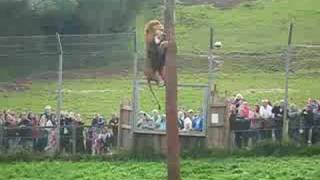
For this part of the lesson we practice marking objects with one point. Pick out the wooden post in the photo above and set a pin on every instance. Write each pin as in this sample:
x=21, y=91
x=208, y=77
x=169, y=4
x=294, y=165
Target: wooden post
x=173, y=164
x=285, y=131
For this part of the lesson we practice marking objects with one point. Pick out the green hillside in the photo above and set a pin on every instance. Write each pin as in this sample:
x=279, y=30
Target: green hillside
x=254, y=36
x=260, y=25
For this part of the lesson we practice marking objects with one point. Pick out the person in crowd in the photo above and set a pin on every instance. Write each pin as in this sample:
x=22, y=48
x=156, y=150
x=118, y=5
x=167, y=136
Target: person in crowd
x=244, y=110
x=52, y=139
x=255, y=123
x=1, y=131
x=162, y=125
x=187, y=121
x=277, y=110
x=313, y=104
x=238, y=100
x=255, y=118
x=24, y=121
x=277, y=118
x=10, y=119
x=49, y=115
x=141, y=119
x=295, y=124
x=197, y=123
x=24, y=128
x=307, y=114
x=316, y=116
x=102, y=142
x=101, y=122
x=35, y=130
x=266, y=116
x=88, y=140
x=42, y=121
x=94, y=122
x=78, y=126
x=43, y=133
x=181, y=117
x=114, y=124
x=156, y=118
x=2, y=121
x=265, y=110
x=145, y=121
x=66, y=131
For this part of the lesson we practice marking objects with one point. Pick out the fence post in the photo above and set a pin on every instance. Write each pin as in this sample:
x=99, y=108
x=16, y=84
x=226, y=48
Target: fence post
x=74, y=138
x=59, y=98
x=209, y=96
x=1, y=138
x=285, y=131
x=135, y=92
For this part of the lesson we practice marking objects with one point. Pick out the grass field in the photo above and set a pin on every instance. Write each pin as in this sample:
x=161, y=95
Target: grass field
x=253, y=34
x=288, y=168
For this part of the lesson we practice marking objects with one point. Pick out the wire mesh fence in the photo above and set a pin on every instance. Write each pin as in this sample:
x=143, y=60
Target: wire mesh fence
x=95, y=68
x=74, y=138
x=98, y=70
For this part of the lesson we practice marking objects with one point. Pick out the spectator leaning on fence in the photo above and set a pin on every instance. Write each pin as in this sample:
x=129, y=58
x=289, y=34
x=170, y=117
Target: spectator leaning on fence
x=244, y=110
x=181, y=117
x=145, y=121
x=316, y=116
x=238, y=100
x=156, y=118
x=197, y=122
x=114, y=123
x=163, y=122
x=187, y=121
x=265, y=110
x=2, y=119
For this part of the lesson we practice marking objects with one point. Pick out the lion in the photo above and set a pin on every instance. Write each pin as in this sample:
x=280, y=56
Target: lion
x=156, y=47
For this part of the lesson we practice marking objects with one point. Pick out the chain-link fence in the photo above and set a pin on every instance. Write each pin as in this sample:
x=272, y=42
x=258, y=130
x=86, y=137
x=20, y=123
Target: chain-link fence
x=259, y=78
x=98, y=70
x=74, y=138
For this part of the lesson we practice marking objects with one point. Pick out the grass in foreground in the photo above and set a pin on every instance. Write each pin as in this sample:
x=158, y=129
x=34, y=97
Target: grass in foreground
x=289, y=168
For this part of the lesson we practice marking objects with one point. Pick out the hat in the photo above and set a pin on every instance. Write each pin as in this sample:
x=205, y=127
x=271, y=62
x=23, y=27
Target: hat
x=47, y=107
x=239, y=96
x=190, y=111
x=155, y=111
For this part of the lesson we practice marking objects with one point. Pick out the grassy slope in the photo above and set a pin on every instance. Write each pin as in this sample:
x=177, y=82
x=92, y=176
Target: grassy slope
x=232, y=168
x=257, y=27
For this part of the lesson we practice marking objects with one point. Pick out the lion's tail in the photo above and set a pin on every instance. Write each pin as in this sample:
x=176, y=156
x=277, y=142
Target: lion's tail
x=154, y=96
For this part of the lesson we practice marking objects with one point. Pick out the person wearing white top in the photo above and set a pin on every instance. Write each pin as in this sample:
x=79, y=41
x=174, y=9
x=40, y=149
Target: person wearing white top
x=188, y=121
x=187, y=124
x=265, y=110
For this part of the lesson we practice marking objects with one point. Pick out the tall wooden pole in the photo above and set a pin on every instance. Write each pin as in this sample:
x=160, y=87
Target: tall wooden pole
x=173, y=164
x=285, y=131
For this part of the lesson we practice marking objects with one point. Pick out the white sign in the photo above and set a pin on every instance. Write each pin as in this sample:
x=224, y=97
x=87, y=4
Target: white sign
x=214, y=118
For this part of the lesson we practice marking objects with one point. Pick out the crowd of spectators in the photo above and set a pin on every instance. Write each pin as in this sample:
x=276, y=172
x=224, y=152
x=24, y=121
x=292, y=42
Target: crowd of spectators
x=187, y=120
x=248, y=122
x=265, y=120
x=39, y=131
